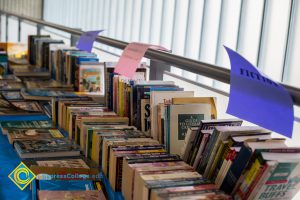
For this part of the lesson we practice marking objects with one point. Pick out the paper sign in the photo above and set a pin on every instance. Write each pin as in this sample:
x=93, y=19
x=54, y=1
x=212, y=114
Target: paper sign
x=256, y=98
x=132, y=56
x=87, y=39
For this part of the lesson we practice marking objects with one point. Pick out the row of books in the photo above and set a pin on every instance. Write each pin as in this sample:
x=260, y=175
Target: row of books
x=62, y=170
x=68, y=65
x=151, y=139
x=109, y=141
x=201, y=148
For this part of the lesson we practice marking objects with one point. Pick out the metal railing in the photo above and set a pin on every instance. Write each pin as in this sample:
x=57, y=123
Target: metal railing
x=163, y=58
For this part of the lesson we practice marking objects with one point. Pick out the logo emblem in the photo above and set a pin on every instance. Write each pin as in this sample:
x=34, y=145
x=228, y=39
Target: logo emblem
x=22, y=176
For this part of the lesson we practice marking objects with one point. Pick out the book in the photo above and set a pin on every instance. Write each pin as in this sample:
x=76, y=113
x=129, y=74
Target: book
x=9, y=78
x=68, y=163
x=46, y=148
x=110, y=142
x=198, y=100
x=66, y=185
x=67, y=195
x=280, y=179
x=181, y=117
x=222, y=133
x=12, y=95
x=198, y=154
x=32, y=134
x=95, y=137
x=129, y=171
x=141, y=189
x=31, y=106
x=48, y=85
x=32, y=47
x=91, y=79
x=25, y=125
x=81, y=135
x=31, y=71
x=116, y=160
x=36, y=94
x=166, y=193
x=234, y=141
x=11, y=86
x=157, y=97
x=240, y=163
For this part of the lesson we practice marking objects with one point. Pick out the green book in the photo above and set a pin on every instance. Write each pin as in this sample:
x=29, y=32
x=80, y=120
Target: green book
x=25, y=124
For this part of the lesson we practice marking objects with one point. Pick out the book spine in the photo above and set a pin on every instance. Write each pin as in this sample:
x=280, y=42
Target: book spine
x=221, y=171
x=248, y=179
x=195, y=147
x=207, y=152
x=256, y=181
x=196, y=159
x=185, y=148
x=119, y=174
x=236, y=169
x=219, y=164
x=216, y=160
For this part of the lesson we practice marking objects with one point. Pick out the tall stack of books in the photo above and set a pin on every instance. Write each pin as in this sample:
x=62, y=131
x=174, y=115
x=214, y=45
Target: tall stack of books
x=145, y=140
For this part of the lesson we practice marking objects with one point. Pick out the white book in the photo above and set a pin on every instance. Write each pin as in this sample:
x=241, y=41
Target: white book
x=157, y=97
x=182, y=117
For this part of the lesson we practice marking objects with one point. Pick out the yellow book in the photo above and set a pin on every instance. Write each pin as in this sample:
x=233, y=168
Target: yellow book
x=218, y=157
x=104, y=119
x=121, y=99
x=95, y=135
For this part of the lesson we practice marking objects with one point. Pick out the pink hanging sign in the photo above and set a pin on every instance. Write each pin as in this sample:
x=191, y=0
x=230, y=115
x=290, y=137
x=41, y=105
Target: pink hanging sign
x=132, y=56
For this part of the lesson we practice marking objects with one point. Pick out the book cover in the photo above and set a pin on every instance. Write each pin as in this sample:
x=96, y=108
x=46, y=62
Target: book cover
x=67, y=195
x=32, y=134
x=182, y=117
x=12, y=95
x=31, y=106
x=46, y=148
x=157, y=97
x=91, y=79
x=68, y=163
x=26, y=124
x=66, y=185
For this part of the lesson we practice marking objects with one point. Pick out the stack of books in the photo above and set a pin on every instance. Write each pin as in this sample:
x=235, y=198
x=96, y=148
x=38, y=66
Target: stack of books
x=144, y=140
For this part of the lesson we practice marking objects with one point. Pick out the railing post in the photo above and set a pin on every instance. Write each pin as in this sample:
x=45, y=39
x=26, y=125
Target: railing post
x=38, y=29
x=157, y=69
x=6, y=28
x=19, y=30
x=74, y=39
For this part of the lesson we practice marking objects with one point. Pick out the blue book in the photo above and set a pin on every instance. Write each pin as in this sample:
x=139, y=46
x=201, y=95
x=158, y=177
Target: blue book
x=236, y=169
x=84, y=60
x=66, y=185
